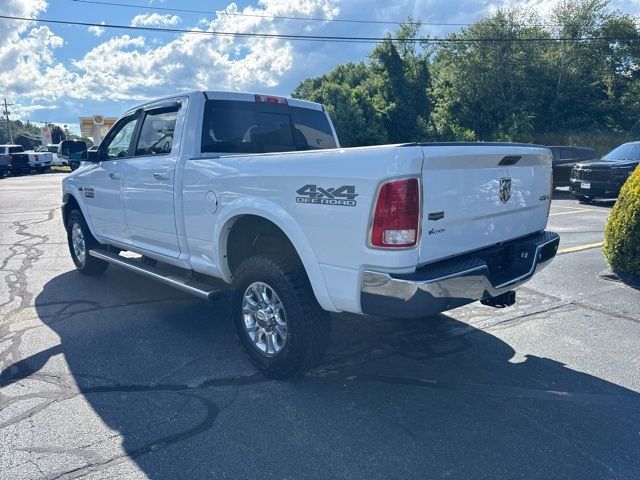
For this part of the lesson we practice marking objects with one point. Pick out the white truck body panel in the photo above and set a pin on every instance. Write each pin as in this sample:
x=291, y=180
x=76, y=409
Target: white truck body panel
x=40, y=159
x=183, y=218
x=464, y=183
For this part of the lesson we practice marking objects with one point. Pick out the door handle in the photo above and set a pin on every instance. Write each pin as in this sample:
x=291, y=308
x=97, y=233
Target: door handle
x=161, y=176
x=114, y=176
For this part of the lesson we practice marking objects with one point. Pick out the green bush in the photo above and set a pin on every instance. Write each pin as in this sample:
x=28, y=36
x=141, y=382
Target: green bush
x=622, y=234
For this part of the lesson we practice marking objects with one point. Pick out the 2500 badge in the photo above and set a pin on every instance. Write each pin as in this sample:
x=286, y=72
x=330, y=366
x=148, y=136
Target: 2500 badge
x=343, y=196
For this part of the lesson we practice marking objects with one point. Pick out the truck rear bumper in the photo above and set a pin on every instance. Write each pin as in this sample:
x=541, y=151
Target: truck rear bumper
x=457, y=281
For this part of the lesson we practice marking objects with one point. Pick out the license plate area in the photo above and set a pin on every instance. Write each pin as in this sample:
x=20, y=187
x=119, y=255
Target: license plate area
x=585, y=185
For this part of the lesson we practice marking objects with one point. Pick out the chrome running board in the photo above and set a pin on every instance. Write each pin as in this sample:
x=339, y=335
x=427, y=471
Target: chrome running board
x=193, y=287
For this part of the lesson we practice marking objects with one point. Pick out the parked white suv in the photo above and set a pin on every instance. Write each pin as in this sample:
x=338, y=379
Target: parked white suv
x=254, y=192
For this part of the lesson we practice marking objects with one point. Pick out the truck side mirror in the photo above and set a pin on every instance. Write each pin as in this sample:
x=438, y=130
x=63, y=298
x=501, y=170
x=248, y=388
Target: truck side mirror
x=72, y=150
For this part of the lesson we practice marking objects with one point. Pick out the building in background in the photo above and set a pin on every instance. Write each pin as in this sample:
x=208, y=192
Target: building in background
x=96, y=127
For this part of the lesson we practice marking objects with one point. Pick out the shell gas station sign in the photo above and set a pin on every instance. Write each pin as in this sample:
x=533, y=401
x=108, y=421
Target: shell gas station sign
x=96, y=127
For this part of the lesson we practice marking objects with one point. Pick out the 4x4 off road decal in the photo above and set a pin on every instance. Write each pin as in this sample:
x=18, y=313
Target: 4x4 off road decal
x=343, y=196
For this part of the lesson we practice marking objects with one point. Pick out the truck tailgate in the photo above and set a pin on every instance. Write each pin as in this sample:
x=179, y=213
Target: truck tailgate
x=477, y=195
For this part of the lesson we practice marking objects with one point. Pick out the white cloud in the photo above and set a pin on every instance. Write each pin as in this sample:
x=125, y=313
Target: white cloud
x=129, y=68
x=155, y=19
x=10, y=30
x=97, y=31
x=126, y=67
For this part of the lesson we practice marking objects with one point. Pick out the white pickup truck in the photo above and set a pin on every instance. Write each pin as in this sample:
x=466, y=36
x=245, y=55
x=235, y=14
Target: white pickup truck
x=253, y=192
x=40, y=160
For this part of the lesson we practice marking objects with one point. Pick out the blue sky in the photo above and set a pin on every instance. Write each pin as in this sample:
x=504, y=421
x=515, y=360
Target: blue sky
x=56, y=73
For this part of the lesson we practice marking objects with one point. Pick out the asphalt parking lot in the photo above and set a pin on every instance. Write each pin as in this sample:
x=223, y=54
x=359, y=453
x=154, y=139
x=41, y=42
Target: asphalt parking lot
x=119, y=377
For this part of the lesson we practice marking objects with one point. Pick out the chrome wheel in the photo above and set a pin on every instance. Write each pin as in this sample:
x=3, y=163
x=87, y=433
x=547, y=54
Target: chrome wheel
x=78, y=243
x=264, y=318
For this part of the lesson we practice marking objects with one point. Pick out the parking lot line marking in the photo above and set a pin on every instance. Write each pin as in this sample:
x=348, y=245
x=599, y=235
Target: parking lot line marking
x=562, y=206
x=579, y=248
x=572, y=211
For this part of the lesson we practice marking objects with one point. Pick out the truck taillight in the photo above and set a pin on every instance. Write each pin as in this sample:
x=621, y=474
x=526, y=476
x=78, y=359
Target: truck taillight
x=396, y=217
x=10, y=158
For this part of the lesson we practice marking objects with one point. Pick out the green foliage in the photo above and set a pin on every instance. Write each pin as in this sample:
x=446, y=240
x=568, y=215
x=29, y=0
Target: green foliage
x=622, y=234
x=481, y=86
x=490, y=90
x=530, y=89
x=57, y=134
x=346, y=96
x=382, y=101
x=23, y=133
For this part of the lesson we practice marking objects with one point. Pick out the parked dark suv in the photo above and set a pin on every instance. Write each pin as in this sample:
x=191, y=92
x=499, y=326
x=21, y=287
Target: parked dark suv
x=564, y=159
x=604, y=178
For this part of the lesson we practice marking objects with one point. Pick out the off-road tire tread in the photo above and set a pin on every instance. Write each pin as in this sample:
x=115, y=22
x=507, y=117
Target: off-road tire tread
x=312, y=328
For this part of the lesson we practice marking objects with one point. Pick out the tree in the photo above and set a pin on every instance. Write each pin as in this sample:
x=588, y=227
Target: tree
x=345, y=93
x=382, y=101
x=580, y=84
x=593, y=76
x=491, y=89
x=57, y=134
x=402, y=69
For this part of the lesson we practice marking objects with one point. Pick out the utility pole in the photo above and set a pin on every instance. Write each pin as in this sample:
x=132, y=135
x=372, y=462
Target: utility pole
x=6, y=114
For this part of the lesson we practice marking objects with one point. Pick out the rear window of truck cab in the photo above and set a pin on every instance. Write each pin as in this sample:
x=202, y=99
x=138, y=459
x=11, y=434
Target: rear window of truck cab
x=255, y=127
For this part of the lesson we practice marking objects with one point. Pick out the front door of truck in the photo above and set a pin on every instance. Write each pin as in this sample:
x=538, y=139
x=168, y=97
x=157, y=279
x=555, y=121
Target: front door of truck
x=101, y=183
x=149, y=176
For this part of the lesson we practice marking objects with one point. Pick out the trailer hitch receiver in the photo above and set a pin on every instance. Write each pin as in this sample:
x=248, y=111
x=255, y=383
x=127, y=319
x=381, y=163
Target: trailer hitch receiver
x=505, y=299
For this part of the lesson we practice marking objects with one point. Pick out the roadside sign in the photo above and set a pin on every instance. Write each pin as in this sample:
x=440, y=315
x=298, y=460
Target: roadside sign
x=45, y=135
x=96, y=127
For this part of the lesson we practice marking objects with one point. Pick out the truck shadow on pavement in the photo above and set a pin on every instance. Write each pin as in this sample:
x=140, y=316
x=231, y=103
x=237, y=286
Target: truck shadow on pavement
x=394, y=399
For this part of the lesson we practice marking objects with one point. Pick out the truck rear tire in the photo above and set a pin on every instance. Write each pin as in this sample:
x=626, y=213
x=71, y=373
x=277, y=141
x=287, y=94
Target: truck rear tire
x=80, y=242
x=583, y=198
x=276, y=316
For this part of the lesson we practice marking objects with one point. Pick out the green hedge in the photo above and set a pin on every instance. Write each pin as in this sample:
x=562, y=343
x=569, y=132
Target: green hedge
x=622, y=234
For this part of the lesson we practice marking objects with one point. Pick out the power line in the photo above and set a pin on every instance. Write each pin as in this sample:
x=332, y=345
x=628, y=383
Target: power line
x=322, y=38
x=283, y=17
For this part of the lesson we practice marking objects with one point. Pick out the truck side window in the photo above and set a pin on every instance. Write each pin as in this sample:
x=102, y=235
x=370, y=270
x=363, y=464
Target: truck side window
x=248, y=127
x=117, y=145
x=312, y=129
x=156, y=134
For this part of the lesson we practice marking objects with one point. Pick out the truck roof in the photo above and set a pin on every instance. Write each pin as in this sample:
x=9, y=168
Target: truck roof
x=229, y=95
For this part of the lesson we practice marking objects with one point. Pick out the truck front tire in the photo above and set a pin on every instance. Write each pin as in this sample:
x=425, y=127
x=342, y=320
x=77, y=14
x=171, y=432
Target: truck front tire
x=277, y=319
x=80, y=242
